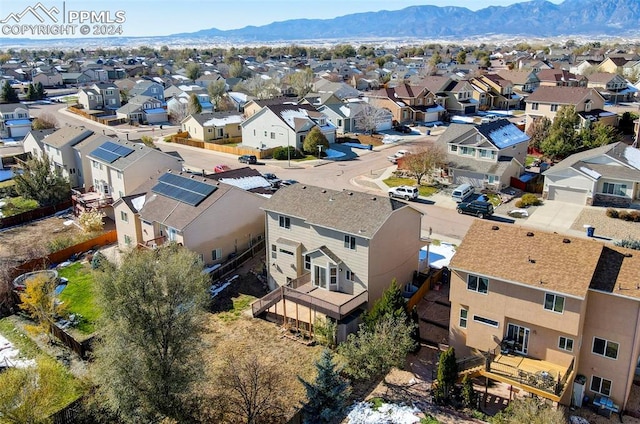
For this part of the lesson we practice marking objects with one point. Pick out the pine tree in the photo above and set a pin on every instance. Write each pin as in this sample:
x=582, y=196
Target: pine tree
x=391, y=304
x=447, y=371
x=40, y=93
x=9, y=94
x=31, y=92
x=327, y=395
x=194, y=106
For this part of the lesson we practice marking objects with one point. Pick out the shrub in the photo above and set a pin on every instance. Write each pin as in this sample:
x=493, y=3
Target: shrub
x=623, y=215
x=530, y=199
x=629, y=243
x=280, y=153
x=612, y=213
x=59, y=243
x=91, y=221
x=635, y=216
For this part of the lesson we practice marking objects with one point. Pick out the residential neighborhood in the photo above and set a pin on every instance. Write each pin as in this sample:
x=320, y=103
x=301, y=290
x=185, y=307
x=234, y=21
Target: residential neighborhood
x=369, y=214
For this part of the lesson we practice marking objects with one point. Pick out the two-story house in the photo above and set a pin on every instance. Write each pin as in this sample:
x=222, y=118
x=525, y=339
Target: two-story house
x=498, y=91
x=147, y=88
x=407, y=103
x=560, y=78
x=548, y=309
x=118, y=167
x=280, y=125
x=607, y=175
x=213, y=219
x=59, y=148
x=143, y=109
x=485, y=156
x=15, y=121
x=588, y=103
x=349, y=117
x=613, y=87
x=110, y=94
x=333, y=253
x=524, y=82
x=210, y=127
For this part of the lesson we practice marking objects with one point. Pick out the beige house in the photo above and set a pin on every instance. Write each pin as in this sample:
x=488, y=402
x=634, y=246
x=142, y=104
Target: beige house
x=556, y=316
x=588, y=103
x=333, y=253
x=213, y=126
x=498, y=91
x=560, y=78
x=59, y=147
x=213, y=219
x=407, y=103
x=613, y=87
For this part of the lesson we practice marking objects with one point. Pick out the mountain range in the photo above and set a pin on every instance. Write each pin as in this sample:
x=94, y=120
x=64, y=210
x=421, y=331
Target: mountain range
x=538, y=18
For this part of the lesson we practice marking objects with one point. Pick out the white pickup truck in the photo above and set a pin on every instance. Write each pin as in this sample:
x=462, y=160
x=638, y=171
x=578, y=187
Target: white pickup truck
x=399, y=154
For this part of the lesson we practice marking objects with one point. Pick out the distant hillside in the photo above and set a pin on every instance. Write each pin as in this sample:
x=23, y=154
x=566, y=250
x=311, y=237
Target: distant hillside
x=535, y=18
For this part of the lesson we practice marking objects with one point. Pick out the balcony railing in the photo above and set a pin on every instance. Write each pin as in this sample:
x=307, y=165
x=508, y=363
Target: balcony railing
x=153, y=243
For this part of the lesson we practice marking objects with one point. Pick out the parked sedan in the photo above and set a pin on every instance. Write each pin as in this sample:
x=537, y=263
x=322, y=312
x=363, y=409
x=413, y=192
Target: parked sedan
x=250, y=159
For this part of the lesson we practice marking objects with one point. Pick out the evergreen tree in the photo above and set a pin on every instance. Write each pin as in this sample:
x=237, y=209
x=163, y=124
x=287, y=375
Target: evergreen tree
x=314, y=139
x=327, y=395
x=538, y=131
x=194, y=106
x=447, y=372
x=9, y=94
x=391, y=304
x=40, y=93
x=41, y=183
x=563, y=139
x=31, y=92
x=468, y=394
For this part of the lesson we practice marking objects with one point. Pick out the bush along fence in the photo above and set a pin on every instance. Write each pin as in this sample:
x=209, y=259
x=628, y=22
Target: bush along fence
x=221, y=145
x=32, y=215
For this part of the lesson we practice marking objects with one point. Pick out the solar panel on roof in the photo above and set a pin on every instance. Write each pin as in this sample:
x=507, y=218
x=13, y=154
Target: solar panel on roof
x=183, y=189
x=110, y=152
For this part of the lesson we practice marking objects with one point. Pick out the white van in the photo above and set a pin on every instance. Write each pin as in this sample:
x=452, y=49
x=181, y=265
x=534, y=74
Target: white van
x=462, y=192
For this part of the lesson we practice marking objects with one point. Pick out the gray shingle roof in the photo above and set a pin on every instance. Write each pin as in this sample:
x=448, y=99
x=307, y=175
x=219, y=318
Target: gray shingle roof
x=67, y=135
x=351, y=212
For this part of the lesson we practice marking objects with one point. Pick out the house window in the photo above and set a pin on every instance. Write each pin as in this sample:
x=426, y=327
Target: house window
x=554, y=108
x=340, y=122
x=453, y=148
x=615, y=189
x=487, y=154
x=601, y=385
x=553, y=302
x=565, y=344
x=605, y=348
x=127, y=240
x=119, y=174
x=534, y=106
x=286, y=252
x=485, y=321
x=350, y=242
x=274, y=251
x=351, y=276
x=491, y=179
x=273, y=136
x=285, y=222
x=464, y=313
x=467, y=151
x=216, y=254
x=307, y=262
x=478, y=284
x=94, y=163
x=123, y=216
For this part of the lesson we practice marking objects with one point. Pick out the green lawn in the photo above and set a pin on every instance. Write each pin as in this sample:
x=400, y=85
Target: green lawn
x=7, y=183
x=424, y=190
x=240, y=303
x=17, y=205
x=79, y=295
x=529, y=160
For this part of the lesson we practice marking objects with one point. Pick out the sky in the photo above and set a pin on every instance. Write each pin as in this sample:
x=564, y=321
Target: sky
x=163, y=17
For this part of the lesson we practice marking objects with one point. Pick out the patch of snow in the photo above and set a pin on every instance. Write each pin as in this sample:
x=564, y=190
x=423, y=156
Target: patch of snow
x=362, y=413
x=210, y=269
x=508, y=135
x=10, y=356
x=632, y=155
x=68, y=222
x=590, y=172
x=138, y=202
x=522, y=212
x=390, y=139
x=439, y=255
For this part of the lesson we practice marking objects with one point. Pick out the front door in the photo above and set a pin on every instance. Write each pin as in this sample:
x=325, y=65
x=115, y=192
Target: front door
x=320, y=276
x=520, y=335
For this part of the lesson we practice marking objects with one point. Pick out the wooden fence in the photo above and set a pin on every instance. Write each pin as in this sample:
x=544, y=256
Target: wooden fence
x=428, y=283
x=34, y=214
x=80, y=348
x=232, y=264
x=68, y=414
x=222, y=145
x=64, y=254
x=105, y=120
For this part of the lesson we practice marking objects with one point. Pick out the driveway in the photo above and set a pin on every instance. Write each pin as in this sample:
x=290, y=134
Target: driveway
x=554, y=216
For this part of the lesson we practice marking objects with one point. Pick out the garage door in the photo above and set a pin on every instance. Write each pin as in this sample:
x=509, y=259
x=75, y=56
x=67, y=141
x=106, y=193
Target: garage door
x=569, y=195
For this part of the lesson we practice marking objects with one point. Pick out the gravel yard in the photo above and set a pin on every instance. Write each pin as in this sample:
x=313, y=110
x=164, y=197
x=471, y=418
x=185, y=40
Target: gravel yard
x=616, y=229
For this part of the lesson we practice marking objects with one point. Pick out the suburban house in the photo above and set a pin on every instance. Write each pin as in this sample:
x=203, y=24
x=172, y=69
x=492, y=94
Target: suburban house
x=613, y=65
x=210, y=127
x=340, y=89
x=147, y=88
x=118, y=167
x=588, y=103
x=559, y=332
x=90, y=99
x=613, y=87
x=210, y=218
x=333, y=253
x=110, y=94
x=524, y=82
x=407, y=103
x=582, y=67
x=47, y=79
x=144, y=110
x=484, y=156
x=246, y=178
x=560, y=78
x=604, y=176
x=282, y=125
x=14, y=121
x=348, y=117
x=59, y=148
x=32, y=142
x=498, y=91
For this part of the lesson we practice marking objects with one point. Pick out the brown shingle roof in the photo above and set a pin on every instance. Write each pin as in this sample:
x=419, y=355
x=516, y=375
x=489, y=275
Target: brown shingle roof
x=618, y=272
x=541, y=260
x=559, y=95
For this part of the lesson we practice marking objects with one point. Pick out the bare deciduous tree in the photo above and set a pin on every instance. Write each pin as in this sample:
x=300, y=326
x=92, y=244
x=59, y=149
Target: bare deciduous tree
x=423, y=161
x=368, y=118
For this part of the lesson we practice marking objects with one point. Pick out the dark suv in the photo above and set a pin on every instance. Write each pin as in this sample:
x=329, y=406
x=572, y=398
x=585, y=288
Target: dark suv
x=479, y=209
x=251, y=159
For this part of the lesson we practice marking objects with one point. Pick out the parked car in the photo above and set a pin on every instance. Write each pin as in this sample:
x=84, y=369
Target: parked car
x=479, y=209
x=399, y=154
x=220, y=168
x=273, y=180
x=403, y=129
x=404, y=192
x=250, y=159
